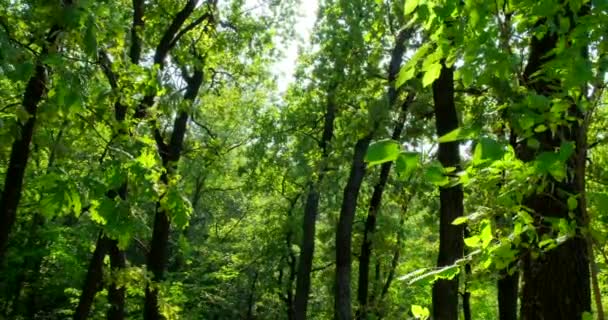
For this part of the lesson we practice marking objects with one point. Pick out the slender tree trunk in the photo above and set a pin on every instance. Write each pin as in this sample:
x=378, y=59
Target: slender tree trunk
x=342, y=307
x=311, y=210
x=116, y=293
x=170, y=154
x=556, y=283
x=466, y=294
x=370, y=221
x=20, y=150
x=508, y=288
x=251, y=298
x=597, y=294
x=445, y=292
x=93, y=278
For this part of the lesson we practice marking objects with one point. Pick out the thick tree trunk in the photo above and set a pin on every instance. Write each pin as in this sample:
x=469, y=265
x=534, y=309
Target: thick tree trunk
x=310, y=214
x=445, y=292
x=508, y=288
x=556, y=283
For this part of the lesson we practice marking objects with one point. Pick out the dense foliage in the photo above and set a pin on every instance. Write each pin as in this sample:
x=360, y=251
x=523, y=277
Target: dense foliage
x=429, y=159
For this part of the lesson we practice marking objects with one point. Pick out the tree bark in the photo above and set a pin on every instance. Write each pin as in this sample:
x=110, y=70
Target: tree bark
x=342, y=306
x=508, y=288
x=370, y=221
x=116, y=292
x=20, y=150
x=170, y=155
x=311, y=210
x=92, y=283
x=445, y=292
x=556, y=283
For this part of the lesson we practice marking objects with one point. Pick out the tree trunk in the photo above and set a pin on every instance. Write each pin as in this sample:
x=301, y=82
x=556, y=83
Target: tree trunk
x=342, y=307
x=310, y=214
x=466, y=294
x=92, y=283
x=370, y=221
x=170, y=155
x=556, y=282
x=116, y=293
x=445, y=292
x=508, y=287
x=20, y=150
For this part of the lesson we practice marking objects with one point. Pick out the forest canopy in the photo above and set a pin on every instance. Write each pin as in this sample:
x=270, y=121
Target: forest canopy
x=419, y=159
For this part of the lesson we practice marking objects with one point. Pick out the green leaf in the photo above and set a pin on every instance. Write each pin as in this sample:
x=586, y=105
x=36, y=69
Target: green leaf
x=420, y=312
x=434, y=174
x=406, y=163
x=486, y=235
x=572, y=203
x=457, y=134
x=404, y=75
x=566, y=150
x=410, y=6
x=472, y=241
x=488, y=149
x=90, y=38
x=460, y=220
x=433, y=72
x=178, y=207
x=382, y=151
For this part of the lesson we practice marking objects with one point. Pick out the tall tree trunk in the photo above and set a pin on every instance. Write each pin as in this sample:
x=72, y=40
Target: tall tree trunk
x=370, y=221
x=93, y=278
x=342, y=306
x=445, y=292
x=20, y=150
x=116, y=293
x=311, y=210
x=466, y=294
x=556, y=283
x=170, y=155
x=508, y=288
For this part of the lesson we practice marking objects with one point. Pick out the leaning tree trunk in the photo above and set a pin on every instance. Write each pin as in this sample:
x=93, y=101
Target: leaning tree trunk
x=556, y=282
x=445, y=292
x=310, y=213
x=20, y=150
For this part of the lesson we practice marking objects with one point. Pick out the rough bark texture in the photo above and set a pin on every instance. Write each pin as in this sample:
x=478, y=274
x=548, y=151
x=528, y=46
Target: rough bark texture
x=508, y=288
x=556, y=283
x=311, y=210
x=445, y=292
